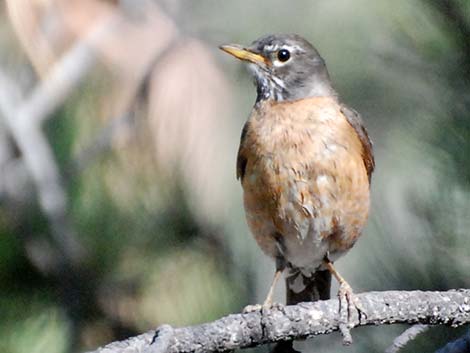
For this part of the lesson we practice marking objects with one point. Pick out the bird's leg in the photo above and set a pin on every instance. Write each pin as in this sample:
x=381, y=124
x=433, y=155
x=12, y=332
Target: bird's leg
x=268, y=302
x=269, y=298
x=348, y=303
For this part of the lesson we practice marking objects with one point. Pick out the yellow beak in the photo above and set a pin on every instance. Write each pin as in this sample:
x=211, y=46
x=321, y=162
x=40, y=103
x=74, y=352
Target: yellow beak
x=243, y=54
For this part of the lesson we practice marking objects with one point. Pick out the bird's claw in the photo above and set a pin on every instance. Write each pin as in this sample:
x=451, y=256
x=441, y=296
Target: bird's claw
x=348, y=305
x=252, y=308
x=267, y=305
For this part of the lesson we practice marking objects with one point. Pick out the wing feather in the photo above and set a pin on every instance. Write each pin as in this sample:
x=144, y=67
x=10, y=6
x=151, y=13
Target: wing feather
x=355, y=120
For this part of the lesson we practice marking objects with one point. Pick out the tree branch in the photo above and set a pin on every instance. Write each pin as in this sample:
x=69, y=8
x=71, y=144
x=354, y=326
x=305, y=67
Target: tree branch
x=302, y=321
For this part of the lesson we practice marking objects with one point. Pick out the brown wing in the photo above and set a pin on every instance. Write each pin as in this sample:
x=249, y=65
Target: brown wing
x=355, y=121
x=241, y=158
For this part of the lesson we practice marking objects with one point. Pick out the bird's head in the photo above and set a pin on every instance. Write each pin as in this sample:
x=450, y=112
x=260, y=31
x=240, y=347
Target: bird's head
x=285, y=67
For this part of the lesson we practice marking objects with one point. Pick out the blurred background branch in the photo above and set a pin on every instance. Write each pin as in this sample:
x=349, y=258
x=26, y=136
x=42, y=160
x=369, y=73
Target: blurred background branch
x=40, y=162
x=119, y=209
x=406, y=337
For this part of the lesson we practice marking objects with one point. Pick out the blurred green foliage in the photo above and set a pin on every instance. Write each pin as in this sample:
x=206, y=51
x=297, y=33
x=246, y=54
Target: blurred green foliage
x=405, y=65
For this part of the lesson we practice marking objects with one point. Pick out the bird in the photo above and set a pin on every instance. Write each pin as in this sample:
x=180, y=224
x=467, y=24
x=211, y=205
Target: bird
x=305, y=163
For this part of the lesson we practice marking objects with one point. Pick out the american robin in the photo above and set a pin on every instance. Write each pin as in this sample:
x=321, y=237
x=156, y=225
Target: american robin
x=305, y=163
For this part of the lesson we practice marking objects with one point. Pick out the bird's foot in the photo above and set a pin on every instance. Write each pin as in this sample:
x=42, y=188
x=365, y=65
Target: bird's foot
x=268, y=302
x=267, y=305
x=252, y=308
x=348, y=305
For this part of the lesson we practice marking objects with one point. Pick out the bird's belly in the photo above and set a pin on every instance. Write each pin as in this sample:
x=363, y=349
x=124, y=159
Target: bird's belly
x=305, y=203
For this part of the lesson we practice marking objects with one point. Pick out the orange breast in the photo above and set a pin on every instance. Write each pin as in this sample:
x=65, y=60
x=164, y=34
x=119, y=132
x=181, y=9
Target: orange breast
x=305, y=183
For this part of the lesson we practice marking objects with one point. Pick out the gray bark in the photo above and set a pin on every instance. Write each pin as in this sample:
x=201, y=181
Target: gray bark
x=300, y=321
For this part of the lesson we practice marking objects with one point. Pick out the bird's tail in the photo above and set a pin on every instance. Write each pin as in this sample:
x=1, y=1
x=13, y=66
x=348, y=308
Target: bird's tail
x=302, y=288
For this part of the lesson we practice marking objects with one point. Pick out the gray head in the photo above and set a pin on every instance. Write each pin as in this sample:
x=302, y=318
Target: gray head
x=285, y=67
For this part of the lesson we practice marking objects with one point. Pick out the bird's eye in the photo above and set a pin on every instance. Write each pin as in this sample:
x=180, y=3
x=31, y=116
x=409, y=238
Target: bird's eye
x=283, y=55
